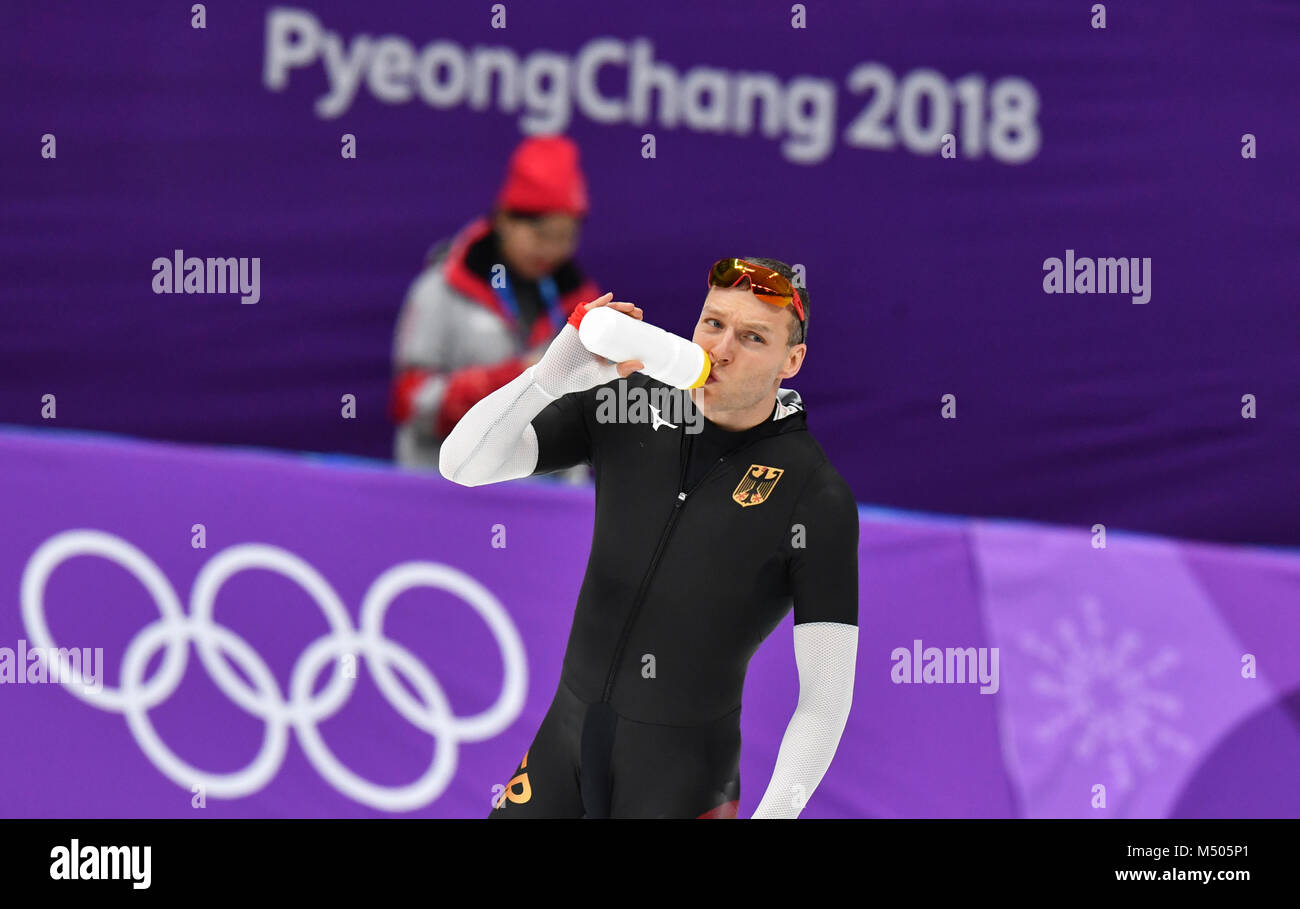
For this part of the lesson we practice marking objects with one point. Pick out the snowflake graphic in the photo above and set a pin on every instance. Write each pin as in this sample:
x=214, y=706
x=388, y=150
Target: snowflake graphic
x=1103, y=696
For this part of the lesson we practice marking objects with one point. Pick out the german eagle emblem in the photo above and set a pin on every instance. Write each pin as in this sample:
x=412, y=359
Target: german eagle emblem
x=756, y=485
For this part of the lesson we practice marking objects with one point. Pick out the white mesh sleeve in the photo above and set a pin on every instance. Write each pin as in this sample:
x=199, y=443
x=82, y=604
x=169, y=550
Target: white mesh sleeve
x=495, y=440
x=826, y=654
x=567, y=366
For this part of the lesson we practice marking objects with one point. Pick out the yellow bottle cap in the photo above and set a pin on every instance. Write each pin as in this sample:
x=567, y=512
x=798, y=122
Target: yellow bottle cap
x=704, y=373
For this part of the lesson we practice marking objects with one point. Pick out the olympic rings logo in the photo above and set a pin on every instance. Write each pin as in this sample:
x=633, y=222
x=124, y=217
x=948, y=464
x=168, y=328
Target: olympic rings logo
x=135, y=696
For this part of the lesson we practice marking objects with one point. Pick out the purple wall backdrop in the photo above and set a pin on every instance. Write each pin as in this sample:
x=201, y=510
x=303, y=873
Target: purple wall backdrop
x=926, y=272
x=1119, y=667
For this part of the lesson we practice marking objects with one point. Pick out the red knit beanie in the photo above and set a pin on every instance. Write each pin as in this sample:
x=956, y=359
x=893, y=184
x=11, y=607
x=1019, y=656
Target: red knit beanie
x=544, y=177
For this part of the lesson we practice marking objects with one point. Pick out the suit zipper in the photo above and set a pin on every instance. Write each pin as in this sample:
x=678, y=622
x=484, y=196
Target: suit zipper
x=654, y=562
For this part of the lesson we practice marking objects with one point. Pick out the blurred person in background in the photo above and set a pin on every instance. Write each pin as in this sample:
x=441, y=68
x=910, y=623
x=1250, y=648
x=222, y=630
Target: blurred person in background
x=490, y=300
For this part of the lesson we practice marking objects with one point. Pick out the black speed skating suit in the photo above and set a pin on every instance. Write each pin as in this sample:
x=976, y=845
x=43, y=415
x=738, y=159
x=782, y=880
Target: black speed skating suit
x=702, y=543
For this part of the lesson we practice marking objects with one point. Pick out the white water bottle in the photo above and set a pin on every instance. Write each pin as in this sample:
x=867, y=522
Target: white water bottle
x=617, y=337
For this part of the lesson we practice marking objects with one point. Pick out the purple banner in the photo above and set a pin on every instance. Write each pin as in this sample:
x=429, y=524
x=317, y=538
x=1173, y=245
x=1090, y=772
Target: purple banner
x=263, y=635
x=1051, y=252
